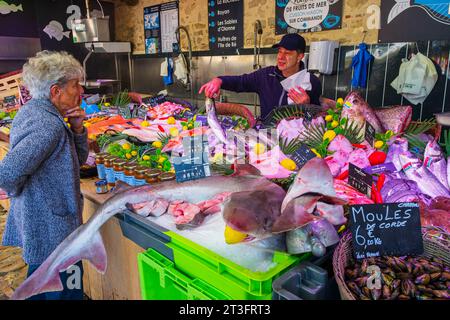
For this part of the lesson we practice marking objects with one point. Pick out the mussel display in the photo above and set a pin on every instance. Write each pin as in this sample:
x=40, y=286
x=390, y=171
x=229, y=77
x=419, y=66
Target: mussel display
x=401, y=278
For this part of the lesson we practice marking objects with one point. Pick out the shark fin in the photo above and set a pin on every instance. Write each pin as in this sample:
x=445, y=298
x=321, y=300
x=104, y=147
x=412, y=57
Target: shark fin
x=19, y=7
x=39, y=282
x=66, y=34
x=96, y=254
x=399, y=7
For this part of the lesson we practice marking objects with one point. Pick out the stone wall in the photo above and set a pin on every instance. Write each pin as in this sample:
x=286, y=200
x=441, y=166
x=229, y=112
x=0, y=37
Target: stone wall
x=194, y=16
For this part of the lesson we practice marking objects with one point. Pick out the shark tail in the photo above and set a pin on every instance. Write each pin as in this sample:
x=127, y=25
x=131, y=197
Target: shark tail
x=19, y=7
x=47, y=279
x=398, y=8
x=66, y=34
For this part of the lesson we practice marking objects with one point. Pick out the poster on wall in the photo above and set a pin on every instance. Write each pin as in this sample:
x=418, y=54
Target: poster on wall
x=160, y=23
x=293, y=16
x=414, y=20
x=225, y=25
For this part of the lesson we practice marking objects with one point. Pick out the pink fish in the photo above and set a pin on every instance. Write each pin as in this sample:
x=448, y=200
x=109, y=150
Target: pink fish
x=396, y=118
x=356, y=109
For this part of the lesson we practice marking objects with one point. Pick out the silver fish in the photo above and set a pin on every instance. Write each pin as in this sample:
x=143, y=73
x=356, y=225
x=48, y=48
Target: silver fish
x=213, y=122
x=435, y=162
x=314, y=237
x=86, y=242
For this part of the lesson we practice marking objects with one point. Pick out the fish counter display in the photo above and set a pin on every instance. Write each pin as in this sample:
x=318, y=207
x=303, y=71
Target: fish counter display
x=246, y=189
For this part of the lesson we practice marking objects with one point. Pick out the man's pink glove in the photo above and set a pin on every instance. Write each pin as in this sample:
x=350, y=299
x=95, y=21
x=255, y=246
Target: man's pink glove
x=212, y=88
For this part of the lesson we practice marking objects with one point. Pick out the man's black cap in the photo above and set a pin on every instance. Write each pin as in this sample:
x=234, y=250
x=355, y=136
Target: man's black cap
x=292, y=41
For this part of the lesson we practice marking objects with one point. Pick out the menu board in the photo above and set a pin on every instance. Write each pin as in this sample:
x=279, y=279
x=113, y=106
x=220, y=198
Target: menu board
x=292, y=16
x=225, y=23
x=160, y=24
x=385, y=229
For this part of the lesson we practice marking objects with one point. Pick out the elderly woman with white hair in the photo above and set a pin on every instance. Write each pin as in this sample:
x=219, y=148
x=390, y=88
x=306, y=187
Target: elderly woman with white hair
x=41, y=172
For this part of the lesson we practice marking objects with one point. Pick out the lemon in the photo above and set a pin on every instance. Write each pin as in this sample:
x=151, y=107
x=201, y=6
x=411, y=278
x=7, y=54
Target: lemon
x=128, y=155
x=145, y=123
x=146, y=158
x=68, y=125
x=340, y=102
x=232, y=236
x=328, y=118
x=379, y=144
x=259, y=148
x=174, y=132
x=126, y=146
x=316, y=153
x=157, y=144
x=185, y=127
x=171, y=120
x=218, y=157
x=161, y=160
x=86, y=125
x=288, y=164
x=107, y=104
x=334, y=124
x=65, y=119
x=92, y=136
x=134, y=153
x=330, y=135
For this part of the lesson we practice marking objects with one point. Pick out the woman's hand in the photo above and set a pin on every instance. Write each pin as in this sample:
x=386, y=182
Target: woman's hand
x=299, y=96
x=75, y=117
x=3, y=195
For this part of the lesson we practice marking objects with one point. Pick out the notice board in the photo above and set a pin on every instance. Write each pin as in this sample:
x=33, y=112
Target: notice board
x=225, y=25
x=414, y=20
x=293, y=16
x=160, y=24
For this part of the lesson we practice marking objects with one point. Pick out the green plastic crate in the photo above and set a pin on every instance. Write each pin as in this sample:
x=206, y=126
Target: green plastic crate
x=161, y=281
x=201, y=266
x=235, y=281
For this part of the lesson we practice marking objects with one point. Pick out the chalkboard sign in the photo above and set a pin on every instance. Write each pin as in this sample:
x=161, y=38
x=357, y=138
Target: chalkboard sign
x=369, y=134
x=225, y=22
x=386, y=229
x=302, y=155
x=194, y=164
x=154, y=101
x=360, y=180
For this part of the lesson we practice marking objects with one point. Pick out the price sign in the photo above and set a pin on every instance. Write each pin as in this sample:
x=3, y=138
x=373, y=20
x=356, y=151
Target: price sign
x=125, y=112
x=195, y=162
x=302, y=155
x=154, y=101
x=386, y=229
x=369, y=134
x=360, y=180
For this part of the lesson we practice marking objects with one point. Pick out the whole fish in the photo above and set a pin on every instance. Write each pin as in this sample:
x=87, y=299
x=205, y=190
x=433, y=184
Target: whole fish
x=435, y=162
x=396, y=118
x=438, y=10
x=86, y=242
x=213, y=122
x=426, y=181
x=356, y=109
x=396, y=147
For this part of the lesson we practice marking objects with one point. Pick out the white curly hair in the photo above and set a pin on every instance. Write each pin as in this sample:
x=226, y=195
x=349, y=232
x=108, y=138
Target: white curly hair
x=48, y=68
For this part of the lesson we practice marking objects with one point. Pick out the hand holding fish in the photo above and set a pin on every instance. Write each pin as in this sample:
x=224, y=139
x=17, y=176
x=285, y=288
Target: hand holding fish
x=299, y=95
x=76, y=116
x=212, y=88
